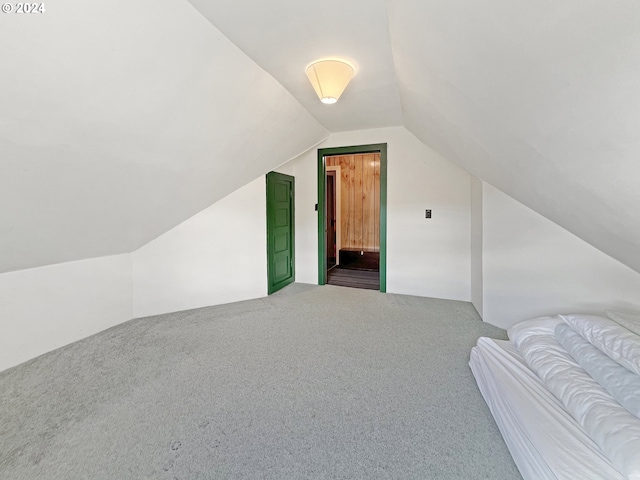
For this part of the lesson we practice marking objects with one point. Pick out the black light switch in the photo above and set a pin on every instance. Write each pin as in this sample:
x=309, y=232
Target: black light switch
x=427, y=214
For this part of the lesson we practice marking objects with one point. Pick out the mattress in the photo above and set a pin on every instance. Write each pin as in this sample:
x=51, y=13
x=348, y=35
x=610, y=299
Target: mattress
x=543, y=438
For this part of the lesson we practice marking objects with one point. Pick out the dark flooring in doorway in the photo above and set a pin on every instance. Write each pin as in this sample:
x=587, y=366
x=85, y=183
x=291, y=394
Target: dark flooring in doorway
x=355, y=278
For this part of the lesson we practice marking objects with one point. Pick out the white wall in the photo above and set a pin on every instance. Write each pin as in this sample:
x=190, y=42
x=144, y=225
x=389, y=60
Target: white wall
x=303, y=169
x=476, y=244
x=45, y=308
x=217, y=256
x=480, y=246
x=424, y=257
x=534, y=267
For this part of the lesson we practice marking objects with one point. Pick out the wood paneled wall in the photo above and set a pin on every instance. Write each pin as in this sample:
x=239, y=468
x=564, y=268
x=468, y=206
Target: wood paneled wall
x=359, y=200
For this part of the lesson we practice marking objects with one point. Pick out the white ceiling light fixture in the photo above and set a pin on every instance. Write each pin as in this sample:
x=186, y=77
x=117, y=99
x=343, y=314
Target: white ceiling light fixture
x=329, y=78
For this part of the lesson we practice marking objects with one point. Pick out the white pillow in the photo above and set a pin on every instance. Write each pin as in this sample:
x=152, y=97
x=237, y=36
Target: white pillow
x=621, y=383
x=609, y=337
x=630, y=322
x=609, y=425
x=519, y=332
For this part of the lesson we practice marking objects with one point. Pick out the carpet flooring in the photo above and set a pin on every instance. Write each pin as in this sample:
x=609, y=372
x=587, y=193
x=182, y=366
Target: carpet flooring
x=309, y=383
x=354, y=278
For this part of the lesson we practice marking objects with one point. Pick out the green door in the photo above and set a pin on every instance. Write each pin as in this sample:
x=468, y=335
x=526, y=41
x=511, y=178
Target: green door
x=280, y=231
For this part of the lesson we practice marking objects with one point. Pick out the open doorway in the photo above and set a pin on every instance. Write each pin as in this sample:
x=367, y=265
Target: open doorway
x=333, y=204
x=352, y=216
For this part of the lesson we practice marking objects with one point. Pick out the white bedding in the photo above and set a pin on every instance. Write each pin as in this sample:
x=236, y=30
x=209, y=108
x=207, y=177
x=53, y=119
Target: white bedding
x=611, y=426
x=622, y=384
x=617, y=342
x=543, y=438
x=537, y=326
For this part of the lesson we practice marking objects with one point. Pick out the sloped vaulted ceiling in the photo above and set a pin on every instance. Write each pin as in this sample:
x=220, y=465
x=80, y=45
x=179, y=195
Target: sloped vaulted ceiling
x=285, y=36
x=539, y=98
x=120, y=119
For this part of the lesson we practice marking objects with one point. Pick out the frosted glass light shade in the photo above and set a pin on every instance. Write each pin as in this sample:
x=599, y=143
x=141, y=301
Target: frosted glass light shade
x=329, y=79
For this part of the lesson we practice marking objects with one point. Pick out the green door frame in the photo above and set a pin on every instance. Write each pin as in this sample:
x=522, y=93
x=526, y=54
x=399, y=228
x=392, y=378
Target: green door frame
x=322, y=207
